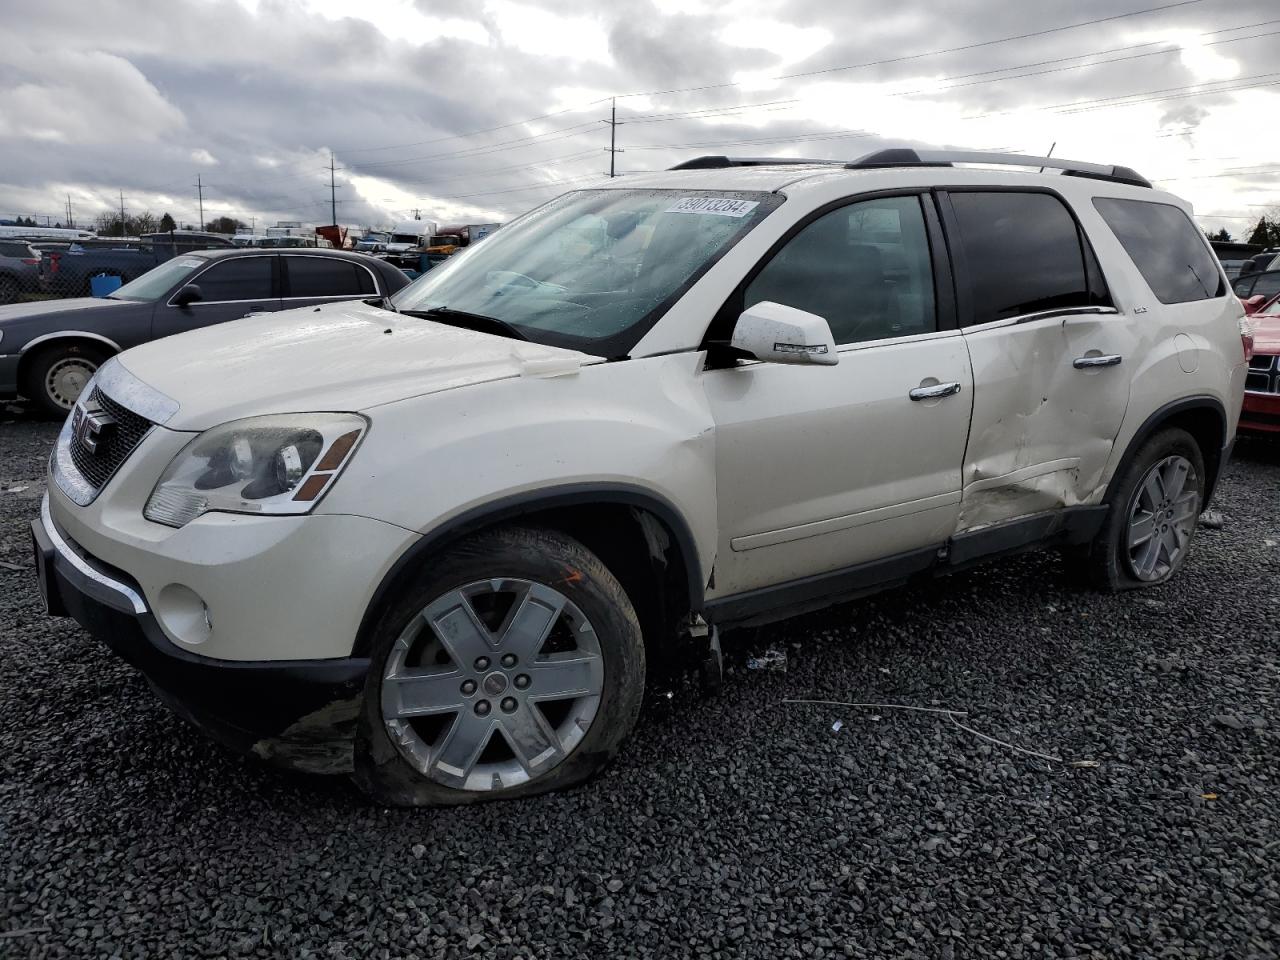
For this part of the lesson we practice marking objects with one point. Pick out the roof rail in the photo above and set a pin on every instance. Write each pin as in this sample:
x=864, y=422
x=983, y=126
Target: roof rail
x=906, y=157
x=712, y=162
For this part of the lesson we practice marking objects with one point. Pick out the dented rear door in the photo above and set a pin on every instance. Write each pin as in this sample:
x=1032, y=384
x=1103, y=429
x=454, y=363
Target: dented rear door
x=1048, y=352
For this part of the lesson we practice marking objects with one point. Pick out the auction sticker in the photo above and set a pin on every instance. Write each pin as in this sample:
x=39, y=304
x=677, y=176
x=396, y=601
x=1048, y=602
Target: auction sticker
x=720, y=206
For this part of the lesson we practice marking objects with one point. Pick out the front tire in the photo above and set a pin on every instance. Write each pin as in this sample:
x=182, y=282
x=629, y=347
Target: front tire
x=511, y=666
x=58, y=374
x=1147, y=535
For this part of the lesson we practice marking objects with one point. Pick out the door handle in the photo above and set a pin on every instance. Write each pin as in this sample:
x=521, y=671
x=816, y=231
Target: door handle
x=1085, y=363
x=935, y=392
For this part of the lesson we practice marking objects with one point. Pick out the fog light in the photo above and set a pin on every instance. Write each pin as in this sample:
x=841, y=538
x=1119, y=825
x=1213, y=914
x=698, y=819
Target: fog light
x=184, y=614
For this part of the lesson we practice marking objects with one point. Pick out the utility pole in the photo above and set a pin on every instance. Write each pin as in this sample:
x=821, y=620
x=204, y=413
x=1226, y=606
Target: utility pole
x=253, y=225
x=333, y=202
x=200, y=195
x=70, y=221
x=613, y=150
x=122, y=213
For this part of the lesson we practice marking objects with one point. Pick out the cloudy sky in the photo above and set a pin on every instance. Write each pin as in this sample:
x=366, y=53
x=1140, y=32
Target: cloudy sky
x=480, y=109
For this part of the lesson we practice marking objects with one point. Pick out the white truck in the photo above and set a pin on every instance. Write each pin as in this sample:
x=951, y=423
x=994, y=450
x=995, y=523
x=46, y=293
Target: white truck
x=408, y=234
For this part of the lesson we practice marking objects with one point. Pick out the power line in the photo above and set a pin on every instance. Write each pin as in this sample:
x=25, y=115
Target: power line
x=928, y=53
x=715, y=86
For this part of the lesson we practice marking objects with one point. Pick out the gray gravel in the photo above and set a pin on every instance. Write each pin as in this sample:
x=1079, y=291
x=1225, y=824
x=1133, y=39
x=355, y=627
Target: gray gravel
x=736, y=826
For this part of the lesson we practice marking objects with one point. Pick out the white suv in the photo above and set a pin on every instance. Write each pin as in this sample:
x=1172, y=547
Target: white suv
x=434, y=540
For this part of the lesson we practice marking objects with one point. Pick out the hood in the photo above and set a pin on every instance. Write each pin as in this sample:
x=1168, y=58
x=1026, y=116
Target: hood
x=342, y=356
x=24, y=311
x=20, y=323
x=1266, y=333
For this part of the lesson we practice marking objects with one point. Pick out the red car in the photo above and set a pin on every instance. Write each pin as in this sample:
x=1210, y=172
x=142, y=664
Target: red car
x=1261, y=413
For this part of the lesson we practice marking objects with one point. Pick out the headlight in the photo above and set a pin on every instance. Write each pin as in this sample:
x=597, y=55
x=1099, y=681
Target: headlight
x=275, y=465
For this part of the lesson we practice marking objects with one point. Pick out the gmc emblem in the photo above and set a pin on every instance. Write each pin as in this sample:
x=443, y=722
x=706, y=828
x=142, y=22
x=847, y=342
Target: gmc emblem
x=91, y=427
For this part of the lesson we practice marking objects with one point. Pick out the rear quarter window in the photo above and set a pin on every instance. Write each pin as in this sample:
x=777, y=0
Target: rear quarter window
x=1166, y=247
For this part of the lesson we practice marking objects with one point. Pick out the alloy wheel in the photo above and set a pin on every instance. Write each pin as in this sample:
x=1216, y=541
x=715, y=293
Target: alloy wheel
x=1162, y=518
x=492, y=684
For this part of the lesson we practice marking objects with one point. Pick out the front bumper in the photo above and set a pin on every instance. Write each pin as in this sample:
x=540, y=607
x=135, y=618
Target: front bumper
x=9, y=374
x=1260, y=413
x=298, y=713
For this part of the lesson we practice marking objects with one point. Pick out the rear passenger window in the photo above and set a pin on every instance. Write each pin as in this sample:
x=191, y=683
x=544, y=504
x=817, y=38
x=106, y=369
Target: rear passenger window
x=1167, y=248
x=864, y=268
x=325, y=277
x=1023, y=253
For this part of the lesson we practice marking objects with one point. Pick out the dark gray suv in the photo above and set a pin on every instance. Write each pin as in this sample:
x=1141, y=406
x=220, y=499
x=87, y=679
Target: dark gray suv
x=21, y=270
x=48, y=351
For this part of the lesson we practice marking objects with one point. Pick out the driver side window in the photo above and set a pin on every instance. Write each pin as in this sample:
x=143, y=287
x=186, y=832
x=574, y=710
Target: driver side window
x=865, y=268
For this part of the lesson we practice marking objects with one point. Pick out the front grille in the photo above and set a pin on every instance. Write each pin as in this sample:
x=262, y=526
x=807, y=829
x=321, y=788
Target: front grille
x=113, y=444
x=1263, y=375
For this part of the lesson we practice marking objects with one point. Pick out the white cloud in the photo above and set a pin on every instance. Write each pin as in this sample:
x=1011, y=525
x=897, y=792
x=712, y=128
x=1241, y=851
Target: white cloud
x=79, y=98
x=1205, y=62
x=401, y=20
x=543, y=33
x=789, y=43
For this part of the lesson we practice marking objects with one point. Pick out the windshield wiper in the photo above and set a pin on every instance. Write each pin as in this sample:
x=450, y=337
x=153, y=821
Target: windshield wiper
x=469, y=321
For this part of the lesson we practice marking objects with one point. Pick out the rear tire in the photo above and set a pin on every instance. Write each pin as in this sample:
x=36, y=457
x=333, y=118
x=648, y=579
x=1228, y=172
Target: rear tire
x=523, y=705
x=8, y=290
x=1153, y=514
x=56, y=376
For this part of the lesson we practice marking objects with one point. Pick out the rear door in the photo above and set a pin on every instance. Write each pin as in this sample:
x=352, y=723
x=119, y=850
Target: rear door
x=230, y=288
x=312, y=279
x=1048, y=351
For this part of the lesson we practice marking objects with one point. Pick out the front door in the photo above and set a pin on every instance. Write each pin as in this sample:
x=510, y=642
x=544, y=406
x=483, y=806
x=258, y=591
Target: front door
x=1051, y=357
x=825, y=467
x=230, y=288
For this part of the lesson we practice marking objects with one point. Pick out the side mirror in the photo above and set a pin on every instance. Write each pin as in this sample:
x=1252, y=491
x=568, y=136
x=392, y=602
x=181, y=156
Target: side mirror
x=777, y=334
x=188, y=294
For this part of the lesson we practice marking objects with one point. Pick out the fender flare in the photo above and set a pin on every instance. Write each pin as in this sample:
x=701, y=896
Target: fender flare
x=513, y=507
x=1156, y=421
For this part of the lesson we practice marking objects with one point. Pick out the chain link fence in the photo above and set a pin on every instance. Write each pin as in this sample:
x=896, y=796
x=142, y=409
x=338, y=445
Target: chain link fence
x=35, y=269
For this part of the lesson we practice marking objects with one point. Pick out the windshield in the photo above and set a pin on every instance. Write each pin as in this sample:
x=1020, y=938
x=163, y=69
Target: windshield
x=155, y=283
x=408, y=238
x=594, y=269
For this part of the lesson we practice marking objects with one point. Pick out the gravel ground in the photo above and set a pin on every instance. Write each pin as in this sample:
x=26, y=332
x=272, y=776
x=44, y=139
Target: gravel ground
x=735, y=826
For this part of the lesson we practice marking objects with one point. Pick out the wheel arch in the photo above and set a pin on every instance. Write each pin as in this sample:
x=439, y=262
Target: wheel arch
x=639, y=535
x=45, y=341
x=1203, y=417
